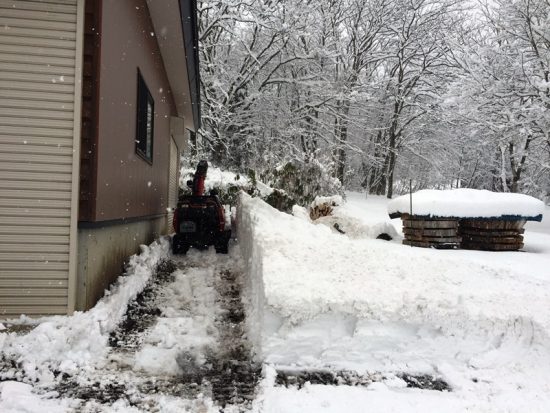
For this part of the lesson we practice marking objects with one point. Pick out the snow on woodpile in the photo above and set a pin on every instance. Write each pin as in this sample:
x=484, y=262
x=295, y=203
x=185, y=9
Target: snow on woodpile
x=467, y=203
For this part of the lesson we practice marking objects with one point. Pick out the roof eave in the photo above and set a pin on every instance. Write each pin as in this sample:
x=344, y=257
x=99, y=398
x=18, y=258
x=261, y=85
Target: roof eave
x=175, y=24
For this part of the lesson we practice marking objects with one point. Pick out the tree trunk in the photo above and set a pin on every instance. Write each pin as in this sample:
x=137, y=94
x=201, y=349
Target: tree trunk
x=517, y=168
x=391, y=168
x=392, y=147
x=341, y=131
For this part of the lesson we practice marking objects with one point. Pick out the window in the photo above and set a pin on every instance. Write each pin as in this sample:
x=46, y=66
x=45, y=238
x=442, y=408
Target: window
x=145, y=121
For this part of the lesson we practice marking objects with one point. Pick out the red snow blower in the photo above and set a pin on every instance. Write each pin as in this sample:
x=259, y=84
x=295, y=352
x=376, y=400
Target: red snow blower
x=199, y=220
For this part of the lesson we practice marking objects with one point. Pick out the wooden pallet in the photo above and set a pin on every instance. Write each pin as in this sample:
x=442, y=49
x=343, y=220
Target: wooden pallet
x=491, y=247
x=491, y=235
x=414, y=222
x=430, y=232
x=431, y=244
x=492, y=224
x=495, y=240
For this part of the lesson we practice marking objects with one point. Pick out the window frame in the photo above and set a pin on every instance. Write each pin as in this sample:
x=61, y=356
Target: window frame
x=145, y=105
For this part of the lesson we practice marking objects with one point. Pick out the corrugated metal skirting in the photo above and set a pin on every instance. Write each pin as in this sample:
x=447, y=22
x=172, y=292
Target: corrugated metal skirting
x=38, y=137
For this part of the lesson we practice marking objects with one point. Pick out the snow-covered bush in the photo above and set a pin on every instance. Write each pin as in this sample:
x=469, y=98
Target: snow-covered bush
x=294, y=183
x=301, y=182
x=226, y=184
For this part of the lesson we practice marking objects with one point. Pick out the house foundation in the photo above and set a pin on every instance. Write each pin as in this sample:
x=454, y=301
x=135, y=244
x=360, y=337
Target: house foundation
x=103, y=251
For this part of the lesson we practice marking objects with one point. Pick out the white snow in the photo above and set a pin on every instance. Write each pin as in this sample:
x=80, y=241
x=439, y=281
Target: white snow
x=467, y=203
x=326, y=300
x=318, y=299
x=352, y=218
x=335, y=200
x=215, y=178
x=69, y=344
x=187, y=323
x=375, y=398
x=17, y=397
x=78, y=344
x=222, y=179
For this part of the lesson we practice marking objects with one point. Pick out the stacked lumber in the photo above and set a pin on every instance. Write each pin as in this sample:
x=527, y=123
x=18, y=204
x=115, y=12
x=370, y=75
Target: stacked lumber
x=321, y=210
x=429, y=232
x=491, y=234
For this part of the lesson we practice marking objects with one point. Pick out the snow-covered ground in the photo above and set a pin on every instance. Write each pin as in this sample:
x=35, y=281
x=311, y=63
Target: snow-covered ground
x=315, y=300
x=324, y=300
x=76, y=364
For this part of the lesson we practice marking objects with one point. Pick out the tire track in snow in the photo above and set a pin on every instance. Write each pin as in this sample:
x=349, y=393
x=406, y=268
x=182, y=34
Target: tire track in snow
x=201, y=289
x=228, y=374
x=234, y=375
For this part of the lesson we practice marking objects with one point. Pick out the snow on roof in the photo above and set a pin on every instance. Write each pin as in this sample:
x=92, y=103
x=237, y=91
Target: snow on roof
x=468, y=203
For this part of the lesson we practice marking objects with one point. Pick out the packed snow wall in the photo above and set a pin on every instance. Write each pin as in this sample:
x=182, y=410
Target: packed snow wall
x=252, y=252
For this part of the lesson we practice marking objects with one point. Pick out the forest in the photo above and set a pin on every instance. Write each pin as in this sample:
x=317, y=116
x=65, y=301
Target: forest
x=377, y=95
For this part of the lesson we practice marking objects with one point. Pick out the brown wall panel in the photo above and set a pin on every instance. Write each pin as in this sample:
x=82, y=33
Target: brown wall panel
x=127, y=185
x=90, y=99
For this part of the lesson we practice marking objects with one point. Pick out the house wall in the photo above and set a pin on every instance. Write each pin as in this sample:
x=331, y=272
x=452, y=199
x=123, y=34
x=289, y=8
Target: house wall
x=40, y=73
x=123, y=198
x=127, y=185
x=104, y=251
x=90, y=108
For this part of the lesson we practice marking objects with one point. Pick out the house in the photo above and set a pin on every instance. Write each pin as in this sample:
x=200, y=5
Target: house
x=97, y=101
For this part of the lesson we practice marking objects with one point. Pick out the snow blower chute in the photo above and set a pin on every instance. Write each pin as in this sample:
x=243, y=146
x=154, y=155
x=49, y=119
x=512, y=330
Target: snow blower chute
x=199, y=220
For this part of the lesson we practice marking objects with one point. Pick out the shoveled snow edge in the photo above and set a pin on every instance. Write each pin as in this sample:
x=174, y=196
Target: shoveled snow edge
x=70, y=343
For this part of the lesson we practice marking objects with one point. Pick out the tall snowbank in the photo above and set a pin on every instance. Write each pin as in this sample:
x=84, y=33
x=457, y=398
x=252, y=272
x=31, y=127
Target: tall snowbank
x=70, y=343
x=252, y=248
x=322, y=300
x=301, y=270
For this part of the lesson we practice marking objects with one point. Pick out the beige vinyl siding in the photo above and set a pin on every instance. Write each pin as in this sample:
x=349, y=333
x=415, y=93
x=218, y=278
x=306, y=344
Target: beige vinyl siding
x=40, y=48
x=173, y=184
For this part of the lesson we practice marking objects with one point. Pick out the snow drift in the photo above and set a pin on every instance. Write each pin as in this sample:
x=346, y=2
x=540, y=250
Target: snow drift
x=323, y=300
x=67, y=344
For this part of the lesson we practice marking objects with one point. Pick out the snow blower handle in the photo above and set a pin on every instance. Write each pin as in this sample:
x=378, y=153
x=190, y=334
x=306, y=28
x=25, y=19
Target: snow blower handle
x=199, y=177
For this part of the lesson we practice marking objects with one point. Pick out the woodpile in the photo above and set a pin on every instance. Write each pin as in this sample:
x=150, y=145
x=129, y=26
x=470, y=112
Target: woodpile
x=430, y=232
x=472, y=234
x=321, y=210
x=491, y=235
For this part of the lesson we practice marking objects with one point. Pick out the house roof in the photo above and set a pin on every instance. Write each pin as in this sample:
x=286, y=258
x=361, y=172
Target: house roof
x=175, y=23
x=189, y=14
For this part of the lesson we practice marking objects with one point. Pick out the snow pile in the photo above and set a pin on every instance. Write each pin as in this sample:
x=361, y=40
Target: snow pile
x=179, y=338
x=346, y=218
x=18, y=397
x=224, y=180
x=323, y=300
x=215, y=178
x=309, y=270
x=334, y=200
x=68, y=344
x=467, y=203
